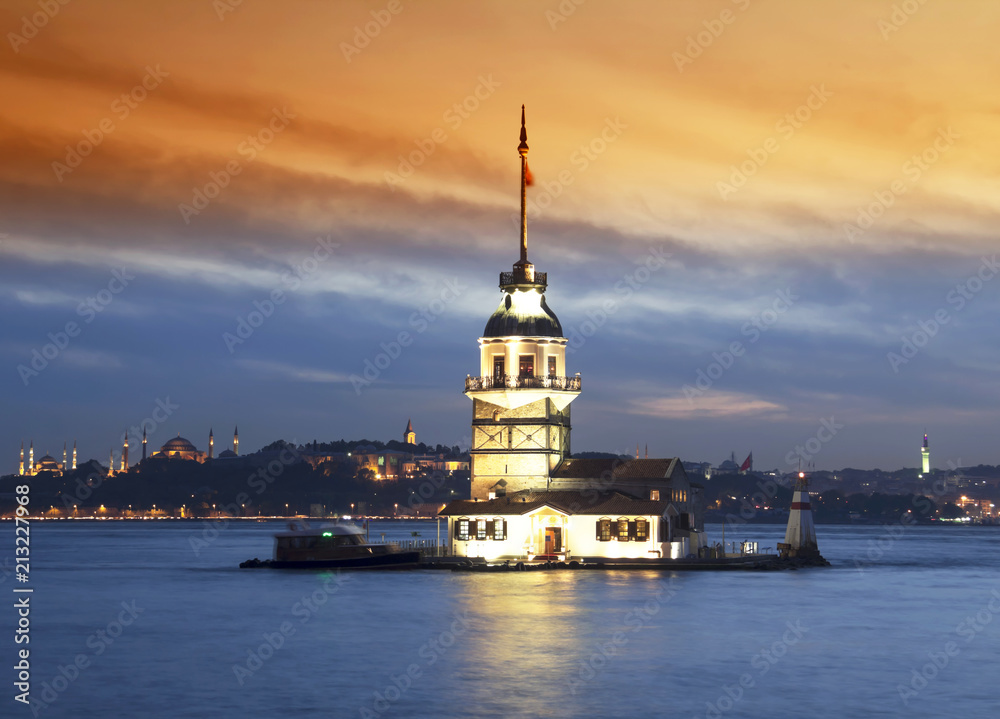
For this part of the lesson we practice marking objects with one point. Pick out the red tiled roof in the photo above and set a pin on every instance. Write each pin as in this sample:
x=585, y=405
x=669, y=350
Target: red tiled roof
x=567, y=501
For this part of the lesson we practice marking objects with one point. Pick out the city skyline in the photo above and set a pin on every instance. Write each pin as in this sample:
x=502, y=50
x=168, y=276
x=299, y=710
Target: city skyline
x=241, y=212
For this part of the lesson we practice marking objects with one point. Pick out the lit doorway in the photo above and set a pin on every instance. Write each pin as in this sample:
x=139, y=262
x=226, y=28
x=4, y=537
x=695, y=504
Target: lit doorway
x=553, y=540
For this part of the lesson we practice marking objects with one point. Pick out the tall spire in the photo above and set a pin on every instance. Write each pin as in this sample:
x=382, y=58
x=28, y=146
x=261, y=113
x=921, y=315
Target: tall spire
x=74, y=454
x=522, y=150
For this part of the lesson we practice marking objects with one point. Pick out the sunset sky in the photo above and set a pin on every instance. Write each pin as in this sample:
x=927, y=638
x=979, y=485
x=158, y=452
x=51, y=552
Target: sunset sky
x=819, y=179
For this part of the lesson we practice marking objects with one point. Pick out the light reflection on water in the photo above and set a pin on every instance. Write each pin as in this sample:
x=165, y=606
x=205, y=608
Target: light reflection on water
x=560, y=644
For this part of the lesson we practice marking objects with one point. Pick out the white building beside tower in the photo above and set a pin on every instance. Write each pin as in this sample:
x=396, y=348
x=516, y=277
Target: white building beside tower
x=529, y=498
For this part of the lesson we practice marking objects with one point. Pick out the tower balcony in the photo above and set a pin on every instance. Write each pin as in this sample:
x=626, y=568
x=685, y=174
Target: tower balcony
x=524, y=276
x=518, y=382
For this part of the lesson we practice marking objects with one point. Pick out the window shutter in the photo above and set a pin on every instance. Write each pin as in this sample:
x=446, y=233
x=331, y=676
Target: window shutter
x=455, y=527
x=598, y=530
x=504, y=528
x=489, y=529
x=631, y=530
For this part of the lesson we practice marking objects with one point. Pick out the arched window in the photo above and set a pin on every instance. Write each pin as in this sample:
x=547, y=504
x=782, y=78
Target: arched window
x=480, y=529
x=462, y=529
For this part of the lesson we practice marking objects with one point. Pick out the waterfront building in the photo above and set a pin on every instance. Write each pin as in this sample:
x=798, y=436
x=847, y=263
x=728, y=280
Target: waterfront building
x=529, y=497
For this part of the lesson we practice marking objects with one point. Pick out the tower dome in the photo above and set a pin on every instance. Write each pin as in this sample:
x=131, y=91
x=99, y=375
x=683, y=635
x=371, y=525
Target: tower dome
x=523, y=313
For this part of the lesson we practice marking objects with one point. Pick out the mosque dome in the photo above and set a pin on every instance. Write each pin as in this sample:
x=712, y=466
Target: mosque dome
x=523, y=313
x=178, y=444
x=47, y=463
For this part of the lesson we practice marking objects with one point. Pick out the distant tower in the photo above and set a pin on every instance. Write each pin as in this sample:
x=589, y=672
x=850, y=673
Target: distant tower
x=74, y=454
x=521, y=396
x=925, y=456
x=111, y=463
x=144, y=444
x=125, y=453
x=236, y=440
x=409, y=436
x=64, y=457
x=800, y=536
x=31, y=458
x=211, y=444
x=21, y=470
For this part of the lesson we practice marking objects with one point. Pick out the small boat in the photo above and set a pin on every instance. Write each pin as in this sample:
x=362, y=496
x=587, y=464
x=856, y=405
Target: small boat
x=330, y=546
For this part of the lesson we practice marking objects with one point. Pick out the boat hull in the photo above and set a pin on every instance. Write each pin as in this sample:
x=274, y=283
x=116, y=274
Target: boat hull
x=392, y=560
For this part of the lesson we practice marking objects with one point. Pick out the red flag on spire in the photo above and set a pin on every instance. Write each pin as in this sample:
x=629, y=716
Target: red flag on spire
x=747, y=463
x=529, y=179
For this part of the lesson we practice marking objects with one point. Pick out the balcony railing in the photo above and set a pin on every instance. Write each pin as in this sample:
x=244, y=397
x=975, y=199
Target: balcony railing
x=512, y=381
x=521, y=277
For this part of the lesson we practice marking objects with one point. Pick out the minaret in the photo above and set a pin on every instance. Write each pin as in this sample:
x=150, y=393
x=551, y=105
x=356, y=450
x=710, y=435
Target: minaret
x=21, y=470
x=925, y=456
x=211, y=444
x=236, y=440
x=409, y=436
x=111, y=463
x=125, y=453
x=800, y=536
x=143, y=444
x=64, y=457
x=31, y=458
x=521, y=398
x=74, y=454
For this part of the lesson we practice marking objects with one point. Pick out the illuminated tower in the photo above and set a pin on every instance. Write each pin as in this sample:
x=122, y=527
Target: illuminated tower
x=143, y=444
x=21, y=470
x=31, y=458
x=64, y=457
x=125, y=453
x=74, y=454
x=211, y=444
x=409, y=436
x=236, y=440
x=111, y=463
x=925, y=456
x=521, y=398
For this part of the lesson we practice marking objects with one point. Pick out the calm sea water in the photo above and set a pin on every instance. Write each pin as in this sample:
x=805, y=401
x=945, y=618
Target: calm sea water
x=909, y=633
